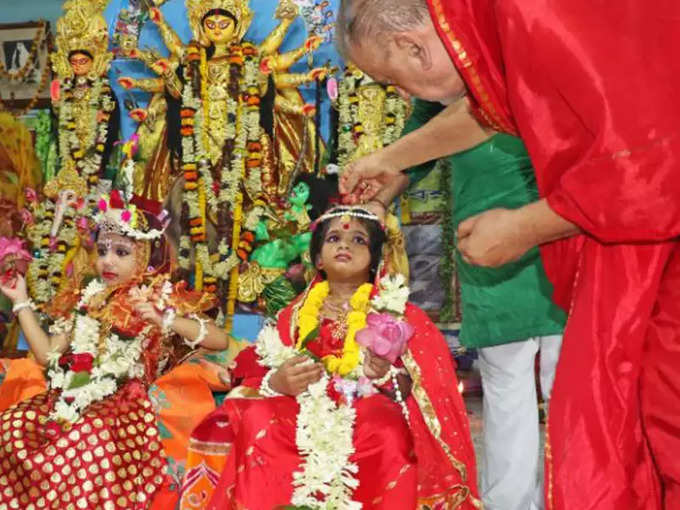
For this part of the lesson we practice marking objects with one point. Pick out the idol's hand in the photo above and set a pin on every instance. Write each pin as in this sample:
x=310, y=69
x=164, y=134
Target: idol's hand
x=312, y=43
x=493, y=238
x=127, y=83
x=375, y=367
x=286, y=10
x=156, y=15
x=295, y=375
x=14, y=287
x=149, y=313
x=362, y=179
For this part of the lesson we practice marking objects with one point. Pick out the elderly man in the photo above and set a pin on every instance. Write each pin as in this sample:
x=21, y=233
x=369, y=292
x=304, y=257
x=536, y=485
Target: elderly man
x=592, y=90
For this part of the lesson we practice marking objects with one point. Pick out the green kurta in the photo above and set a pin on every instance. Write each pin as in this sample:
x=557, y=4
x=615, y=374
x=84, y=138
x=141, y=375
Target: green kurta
x=513, y=302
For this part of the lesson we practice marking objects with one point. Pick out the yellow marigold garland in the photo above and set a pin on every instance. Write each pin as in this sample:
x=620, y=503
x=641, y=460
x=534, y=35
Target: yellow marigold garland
x=308, y=321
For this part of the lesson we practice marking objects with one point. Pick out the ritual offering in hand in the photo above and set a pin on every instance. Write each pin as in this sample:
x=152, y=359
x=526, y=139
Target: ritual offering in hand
x=14, y=258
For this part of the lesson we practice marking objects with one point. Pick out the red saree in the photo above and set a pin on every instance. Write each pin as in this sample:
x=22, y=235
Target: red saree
x=592, y=89
x=244, y=454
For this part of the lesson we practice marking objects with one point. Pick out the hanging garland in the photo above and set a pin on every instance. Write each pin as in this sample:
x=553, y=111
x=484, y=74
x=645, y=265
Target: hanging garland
x=241, y=162
x=101, y=104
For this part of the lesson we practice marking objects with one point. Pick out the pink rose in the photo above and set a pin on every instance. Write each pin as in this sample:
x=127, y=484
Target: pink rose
x=13, y=257
x=30, y=195
x=101, y=205
x=26, y=216
x=126, y=216
x=385, y=336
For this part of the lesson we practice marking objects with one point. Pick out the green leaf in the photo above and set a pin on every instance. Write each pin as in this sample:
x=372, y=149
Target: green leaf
x=79, y=379
x=310, y=336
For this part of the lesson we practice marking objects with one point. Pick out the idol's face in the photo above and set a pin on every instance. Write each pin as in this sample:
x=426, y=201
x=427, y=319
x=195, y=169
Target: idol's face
x=116, y=259
x=81, y=63
x=345, y=254
x=219, y=29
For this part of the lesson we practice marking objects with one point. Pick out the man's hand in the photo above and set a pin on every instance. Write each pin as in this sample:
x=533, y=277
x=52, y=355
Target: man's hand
x=362, y=179
x=295, y=376
x=493, y=238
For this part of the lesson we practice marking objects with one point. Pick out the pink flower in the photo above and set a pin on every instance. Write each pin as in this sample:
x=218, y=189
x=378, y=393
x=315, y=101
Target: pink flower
x=126, y=216
x=30, y=195
x=26, y=216
x=101, y=205
x=332, y=88
x=385, y=336
x=13, y=256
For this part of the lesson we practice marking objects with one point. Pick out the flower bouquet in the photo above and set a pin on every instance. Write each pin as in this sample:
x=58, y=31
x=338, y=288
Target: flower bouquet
x=387, y=333
x=14, y=259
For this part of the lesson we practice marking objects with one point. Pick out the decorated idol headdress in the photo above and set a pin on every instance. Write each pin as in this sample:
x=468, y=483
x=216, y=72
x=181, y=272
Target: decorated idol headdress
x=114, y=216
x=82, y=28
x=197, y=10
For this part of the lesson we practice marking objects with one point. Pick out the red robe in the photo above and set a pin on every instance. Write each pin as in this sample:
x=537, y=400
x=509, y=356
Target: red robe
x=593, y=89
x=244, y=454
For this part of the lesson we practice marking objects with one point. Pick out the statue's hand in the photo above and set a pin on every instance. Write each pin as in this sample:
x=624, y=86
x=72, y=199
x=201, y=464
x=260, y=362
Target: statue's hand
x=266, y=65
x=286, y=10
x=319, y=73
x=308, y=109
x=160, y=66
x=127, y=83
x=156, y=15
x=312, y=43
x=138, y=114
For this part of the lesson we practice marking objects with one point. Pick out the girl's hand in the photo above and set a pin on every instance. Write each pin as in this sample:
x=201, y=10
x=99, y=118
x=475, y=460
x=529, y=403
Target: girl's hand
x=15, y=288
x=375, y=367
x=295, y=376
x=149, y=313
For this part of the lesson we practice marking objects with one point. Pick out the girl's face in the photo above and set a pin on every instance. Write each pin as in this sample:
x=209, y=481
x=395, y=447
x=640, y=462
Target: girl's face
x=345, y=253
x=116, y=260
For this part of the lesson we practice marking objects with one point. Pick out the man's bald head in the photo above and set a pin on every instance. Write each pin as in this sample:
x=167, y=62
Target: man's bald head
x=395, y=41
x=360, y=21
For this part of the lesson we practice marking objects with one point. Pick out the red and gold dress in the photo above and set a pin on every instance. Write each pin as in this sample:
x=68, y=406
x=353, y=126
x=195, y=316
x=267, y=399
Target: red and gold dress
x=114, y=455
x=244, y=455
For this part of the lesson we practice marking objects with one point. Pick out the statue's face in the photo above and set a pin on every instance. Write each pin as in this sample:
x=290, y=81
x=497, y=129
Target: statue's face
x=80, y=63
x=301, y=192
x=219, y=29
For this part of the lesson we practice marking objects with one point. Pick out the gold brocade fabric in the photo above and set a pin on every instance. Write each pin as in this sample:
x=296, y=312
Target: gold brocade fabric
x=111, y=458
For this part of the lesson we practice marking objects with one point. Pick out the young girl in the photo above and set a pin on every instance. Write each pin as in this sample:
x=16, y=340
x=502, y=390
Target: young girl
x=91, y=440
x=319, y=420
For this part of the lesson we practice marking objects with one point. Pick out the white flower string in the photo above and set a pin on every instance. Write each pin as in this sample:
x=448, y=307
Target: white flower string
x=169, y=316
x=120, y=360
x=202, y=332
x=22, y=305
x=265, y=388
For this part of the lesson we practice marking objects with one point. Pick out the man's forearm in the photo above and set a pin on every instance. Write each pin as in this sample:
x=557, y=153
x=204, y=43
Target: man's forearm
x=543, y=225
x=451, y=131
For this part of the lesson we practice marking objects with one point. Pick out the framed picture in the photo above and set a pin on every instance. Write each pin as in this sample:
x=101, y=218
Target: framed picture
x=25, y=70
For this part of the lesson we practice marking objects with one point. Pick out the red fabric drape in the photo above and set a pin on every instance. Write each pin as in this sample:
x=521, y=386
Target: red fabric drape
x=592, y=89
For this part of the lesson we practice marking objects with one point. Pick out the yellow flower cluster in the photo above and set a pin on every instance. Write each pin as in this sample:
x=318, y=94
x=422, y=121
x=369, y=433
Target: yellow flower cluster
x=308, y=321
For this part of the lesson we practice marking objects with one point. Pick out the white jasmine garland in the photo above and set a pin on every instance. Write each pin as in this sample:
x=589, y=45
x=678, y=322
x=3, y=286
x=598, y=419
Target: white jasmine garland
x=393, y=294
x=323, y=435
x=119, y=361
